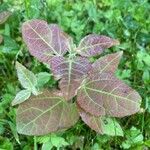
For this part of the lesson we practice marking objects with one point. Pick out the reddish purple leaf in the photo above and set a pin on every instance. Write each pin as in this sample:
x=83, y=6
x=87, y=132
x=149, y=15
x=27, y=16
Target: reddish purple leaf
x=69, y=88
x=107, y=63
x=45, y=40
x=71, y=72
x=104, y=94
x=93, y=44
x=93, y=122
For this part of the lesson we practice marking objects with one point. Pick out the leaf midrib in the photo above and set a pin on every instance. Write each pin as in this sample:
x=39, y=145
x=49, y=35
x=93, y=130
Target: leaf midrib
x=104, y=68
x=44, y=40
x=26, y=76
x=92, y=46
x=109, y=94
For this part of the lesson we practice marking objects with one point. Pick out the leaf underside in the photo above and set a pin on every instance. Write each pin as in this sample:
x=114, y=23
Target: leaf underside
x=27, y=78
x=104, y=94
x=94, y=44
x=45, y=40
x=21, y=97
x=45, y=113
x=71, y=73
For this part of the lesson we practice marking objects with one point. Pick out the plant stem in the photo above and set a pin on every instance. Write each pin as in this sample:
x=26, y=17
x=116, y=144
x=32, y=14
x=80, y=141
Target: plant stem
x=35, y=143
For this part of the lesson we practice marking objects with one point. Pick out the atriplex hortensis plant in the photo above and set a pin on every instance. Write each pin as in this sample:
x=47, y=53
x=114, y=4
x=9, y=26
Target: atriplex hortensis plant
x=98, y=92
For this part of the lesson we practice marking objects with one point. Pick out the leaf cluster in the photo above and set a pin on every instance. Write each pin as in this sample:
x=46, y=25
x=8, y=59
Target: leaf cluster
x=99, y=93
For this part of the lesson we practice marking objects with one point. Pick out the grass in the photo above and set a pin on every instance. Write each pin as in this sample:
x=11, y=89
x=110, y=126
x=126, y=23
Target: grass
x=125, y=20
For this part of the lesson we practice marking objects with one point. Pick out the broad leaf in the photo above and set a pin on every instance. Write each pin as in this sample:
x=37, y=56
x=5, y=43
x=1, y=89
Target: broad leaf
x=58, y=141
x=45, y=40
x=21, y=97
x=45, y=113
x=1, y=39
x=102, y=125
x=104, y=94
x=47, y=145
x=4, y=16
x=71, y=72
x=111, y=127
x=27, y=78
x=133, y=138
x=42, y=78
x=107, y=63
x=94, y=44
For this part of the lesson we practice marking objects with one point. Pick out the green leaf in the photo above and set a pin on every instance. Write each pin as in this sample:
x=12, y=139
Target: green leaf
x=45, y=113
x=96, y=146
x=134, y=137
x=2, y=128
x=43, y=139
x=92, y=11
x=21, y=97
x=147, y=143
x=42, y=78
x=27, y=78
x=147, y=101
x=5, y=144
x=58, y=141
x=111, y=127
x=146, y=76
x=33, y=8
x=47, y=146
x=14, y=131
x=10, y=45
x=1, y=39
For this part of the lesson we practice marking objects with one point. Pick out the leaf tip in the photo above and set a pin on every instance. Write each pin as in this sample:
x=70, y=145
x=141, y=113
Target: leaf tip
x=12, y=103
x=17, y=64
x=116, y=42
x=120, y=53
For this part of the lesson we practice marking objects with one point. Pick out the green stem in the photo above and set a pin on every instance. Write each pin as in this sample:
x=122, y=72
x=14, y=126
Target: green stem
x=35, y=143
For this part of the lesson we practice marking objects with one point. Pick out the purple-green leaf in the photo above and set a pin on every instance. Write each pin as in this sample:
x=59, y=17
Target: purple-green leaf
x=44, y=41
x=102, y=125
x=104, y=94
x=71, y=71
x=94, y=44
x=4, y=16
x=45, y=113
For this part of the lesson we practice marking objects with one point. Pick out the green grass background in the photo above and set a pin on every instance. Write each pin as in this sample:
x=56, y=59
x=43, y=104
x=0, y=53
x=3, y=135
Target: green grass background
x=125, y=20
